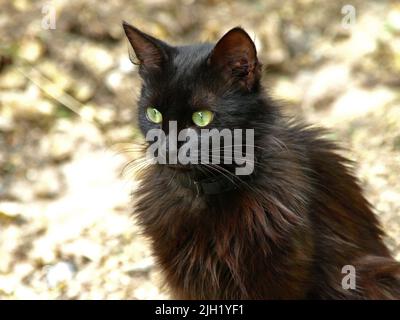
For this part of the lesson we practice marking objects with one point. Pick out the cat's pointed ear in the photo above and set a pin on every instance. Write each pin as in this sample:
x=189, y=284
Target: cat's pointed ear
x=151, y=52
x=235, y=55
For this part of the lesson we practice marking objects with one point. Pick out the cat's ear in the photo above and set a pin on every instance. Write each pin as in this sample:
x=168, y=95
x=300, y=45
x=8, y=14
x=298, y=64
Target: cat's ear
x=235, y=56
x=151, y=52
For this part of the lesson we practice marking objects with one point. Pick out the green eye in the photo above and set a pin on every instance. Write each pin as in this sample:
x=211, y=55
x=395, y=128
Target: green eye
x=202, y=118
x=153, y=115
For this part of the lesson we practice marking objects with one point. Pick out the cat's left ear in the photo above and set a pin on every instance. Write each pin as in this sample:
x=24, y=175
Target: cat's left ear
x=151, y=52
x=235, y=56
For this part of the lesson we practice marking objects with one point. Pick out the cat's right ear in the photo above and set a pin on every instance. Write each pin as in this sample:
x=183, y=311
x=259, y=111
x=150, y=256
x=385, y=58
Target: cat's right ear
x=151, y=52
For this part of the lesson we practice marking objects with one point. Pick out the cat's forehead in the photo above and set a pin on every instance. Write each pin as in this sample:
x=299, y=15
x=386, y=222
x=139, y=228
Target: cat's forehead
x=188, y=61
x=186, y=82
x=192, y=55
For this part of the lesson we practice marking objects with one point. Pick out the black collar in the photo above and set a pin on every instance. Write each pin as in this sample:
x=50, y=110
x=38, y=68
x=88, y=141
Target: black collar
x=209, y=186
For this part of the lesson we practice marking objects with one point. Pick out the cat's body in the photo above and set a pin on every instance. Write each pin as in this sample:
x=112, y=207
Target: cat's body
x=285, y=231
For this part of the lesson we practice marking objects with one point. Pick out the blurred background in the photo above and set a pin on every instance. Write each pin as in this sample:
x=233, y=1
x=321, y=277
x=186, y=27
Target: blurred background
x=67, y=109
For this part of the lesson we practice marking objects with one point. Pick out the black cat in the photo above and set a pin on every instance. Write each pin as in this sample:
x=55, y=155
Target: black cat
x=286, y=230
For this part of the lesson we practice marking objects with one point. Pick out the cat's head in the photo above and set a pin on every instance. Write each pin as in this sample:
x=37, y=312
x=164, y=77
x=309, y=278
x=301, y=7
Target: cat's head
x=203, y=86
